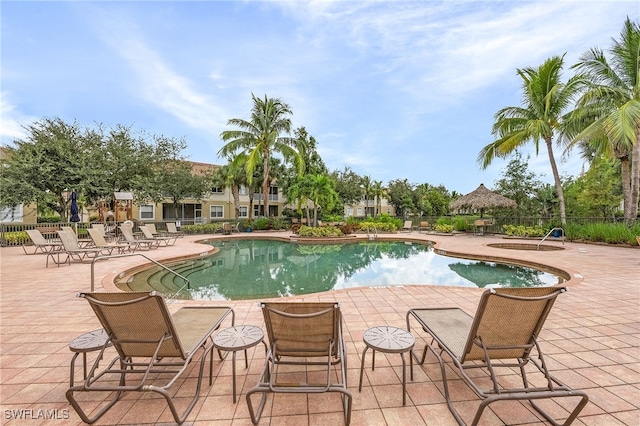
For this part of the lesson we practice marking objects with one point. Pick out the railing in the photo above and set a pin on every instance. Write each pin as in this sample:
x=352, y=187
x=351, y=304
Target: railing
x=549, y=233
x=373, y=236
x=112, y=256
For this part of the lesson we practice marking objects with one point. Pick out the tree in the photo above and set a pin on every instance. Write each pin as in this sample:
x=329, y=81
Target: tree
x=176, y=180
x=367, y=191
x=520, y=184
x=609, y=111
x=319, y=189
x=401, y=196
x=259, y=139
x=598, y=192
x=543, y=117
x=347, y=186
x=378, y=191
x=232, y=175
x=46, y=166
x=57, y=157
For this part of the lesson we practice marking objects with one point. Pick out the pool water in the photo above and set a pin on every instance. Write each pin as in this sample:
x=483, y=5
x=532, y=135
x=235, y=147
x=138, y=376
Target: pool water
x=254, y=269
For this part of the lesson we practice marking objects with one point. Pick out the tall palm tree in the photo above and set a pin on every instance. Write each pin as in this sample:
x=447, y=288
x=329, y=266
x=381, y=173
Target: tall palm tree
x=367, y=191
x=378, y=192
x=233, y=175
x=610, y=109
x=541, y=118
x=259, y=139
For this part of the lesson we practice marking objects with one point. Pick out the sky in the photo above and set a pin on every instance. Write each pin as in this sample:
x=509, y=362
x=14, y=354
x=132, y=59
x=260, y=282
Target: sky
x=390, y=89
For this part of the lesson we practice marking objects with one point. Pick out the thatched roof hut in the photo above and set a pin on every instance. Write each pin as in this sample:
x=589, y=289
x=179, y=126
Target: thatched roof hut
x=482, y=199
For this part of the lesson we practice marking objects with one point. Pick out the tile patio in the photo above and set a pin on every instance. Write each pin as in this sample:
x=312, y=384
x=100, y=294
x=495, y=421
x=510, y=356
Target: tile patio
x=591, y=340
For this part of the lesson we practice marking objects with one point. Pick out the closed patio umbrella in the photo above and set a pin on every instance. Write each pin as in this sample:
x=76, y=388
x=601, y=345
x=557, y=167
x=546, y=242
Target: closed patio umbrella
x=74, y=208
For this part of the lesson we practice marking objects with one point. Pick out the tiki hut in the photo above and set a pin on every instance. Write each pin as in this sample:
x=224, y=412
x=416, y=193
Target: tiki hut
x=482, y=199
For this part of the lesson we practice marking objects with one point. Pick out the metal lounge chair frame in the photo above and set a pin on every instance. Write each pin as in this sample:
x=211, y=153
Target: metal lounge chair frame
x=73, y=251
x=408, y=226
x=148, y=234
x=154, y=348
x=172, y=230
x=308, y=334
x=100, y=242
x=40, y=243
x=503, y=334
x=127, y=234
x=108, y=235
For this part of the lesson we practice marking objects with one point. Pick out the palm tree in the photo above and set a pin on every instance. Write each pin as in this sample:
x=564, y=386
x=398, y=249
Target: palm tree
x=610, y=109
x=259, y=139
x=541, y=118
x=233, y=175
x=367, y=191
x=378, y=192
x=322, y=192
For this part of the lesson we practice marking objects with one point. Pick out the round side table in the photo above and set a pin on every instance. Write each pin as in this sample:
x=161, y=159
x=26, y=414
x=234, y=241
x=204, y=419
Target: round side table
x=238, y=338
x=88, y=342
x=390, y=340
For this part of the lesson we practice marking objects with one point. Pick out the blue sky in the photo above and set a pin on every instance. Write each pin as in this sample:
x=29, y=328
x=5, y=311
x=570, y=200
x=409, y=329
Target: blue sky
x=391, y=89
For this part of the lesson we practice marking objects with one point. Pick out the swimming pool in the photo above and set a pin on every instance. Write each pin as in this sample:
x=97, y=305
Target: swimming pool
x=254, y=269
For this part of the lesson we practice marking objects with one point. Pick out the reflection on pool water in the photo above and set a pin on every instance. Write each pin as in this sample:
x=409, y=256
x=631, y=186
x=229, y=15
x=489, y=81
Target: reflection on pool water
x=253, y=269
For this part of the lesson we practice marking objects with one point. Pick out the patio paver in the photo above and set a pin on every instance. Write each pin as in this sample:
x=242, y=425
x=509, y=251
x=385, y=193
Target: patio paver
x=591, y=341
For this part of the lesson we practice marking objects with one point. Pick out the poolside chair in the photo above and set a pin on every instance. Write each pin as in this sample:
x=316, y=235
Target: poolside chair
x=40, y=243
x=140, y=243
x=108, y=235
x=82, y=242
x=503, y=334
x=305, y=334
x=227, y=229
x=100, y=242
x=172, y=230
x=424, y=226
x=168, y=241
x=154, y=349
x=408, y=225
x=73, y=251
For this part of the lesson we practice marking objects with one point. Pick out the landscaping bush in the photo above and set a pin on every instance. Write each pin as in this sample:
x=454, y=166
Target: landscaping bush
x=444, y=228
x=610, y=233
x=460, y=224
x=16, y=238
x=207, y=228
x=321, y=231
x=369, y=226
x=524, y=231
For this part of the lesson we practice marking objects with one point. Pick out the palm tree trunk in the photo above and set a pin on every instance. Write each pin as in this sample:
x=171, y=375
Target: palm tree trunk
x=625, y=177
x=558, y=183
x=235, y=191
x=635, y=180
x=265, y=184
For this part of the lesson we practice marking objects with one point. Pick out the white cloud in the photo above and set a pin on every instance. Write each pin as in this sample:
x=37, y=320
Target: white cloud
x=11, y=121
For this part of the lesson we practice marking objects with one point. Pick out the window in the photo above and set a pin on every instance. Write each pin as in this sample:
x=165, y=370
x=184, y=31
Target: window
x=217, y=190
x=243, y=190
x=146, y=212
x=359, y=211
x=244, y=211
x=216, y=211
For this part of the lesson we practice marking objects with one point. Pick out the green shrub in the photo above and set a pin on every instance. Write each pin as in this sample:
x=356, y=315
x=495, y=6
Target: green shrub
x=278, y=223
x=207, y=228
x=321, y=231
x=524, y=231
x=460, y=224
x=610, y=233
x=369, y=226
x=16, y=238
x=443, y=228
x=261, y=224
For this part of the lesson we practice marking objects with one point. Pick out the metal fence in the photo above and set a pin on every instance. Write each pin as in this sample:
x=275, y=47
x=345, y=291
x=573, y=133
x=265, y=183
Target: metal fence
x=13, y=233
